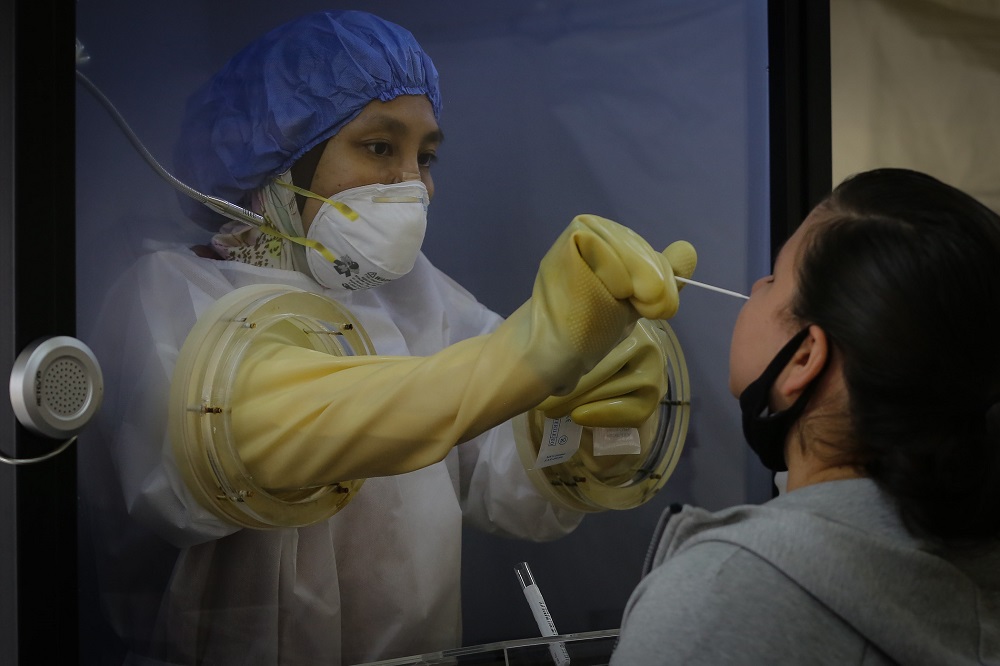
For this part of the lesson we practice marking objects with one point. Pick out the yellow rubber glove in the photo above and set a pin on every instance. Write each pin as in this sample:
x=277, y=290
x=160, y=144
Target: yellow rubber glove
x=623, y=391
x=302, y=418
x=592, y=285
x=625, y=388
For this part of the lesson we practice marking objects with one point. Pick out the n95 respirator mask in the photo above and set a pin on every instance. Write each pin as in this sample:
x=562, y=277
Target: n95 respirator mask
x=372, y=235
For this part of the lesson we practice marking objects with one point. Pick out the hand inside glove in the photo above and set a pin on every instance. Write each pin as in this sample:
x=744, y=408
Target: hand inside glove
x=598, y=278
x=625, y=387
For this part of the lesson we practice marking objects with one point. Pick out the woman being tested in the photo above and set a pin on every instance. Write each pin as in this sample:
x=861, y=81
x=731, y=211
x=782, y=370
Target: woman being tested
x=867, y=366
x=328, y=127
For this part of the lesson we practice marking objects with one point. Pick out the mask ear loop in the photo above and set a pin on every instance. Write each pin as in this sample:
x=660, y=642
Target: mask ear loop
x=271, y=230
x=344, y=209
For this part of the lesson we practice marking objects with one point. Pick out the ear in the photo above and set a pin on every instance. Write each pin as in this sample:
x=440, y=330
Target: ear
x=805, y=366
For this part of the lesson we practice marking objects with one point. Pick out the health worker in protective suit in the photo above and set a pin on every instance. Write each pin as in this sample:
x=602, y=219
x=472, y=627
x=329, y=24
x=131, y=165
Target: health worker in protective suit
x=327, y=127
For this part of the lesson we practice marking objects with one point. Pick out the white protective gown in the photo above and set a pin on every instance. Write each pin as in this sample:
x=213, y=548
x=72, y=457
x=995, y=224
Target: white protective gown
x=379, y=579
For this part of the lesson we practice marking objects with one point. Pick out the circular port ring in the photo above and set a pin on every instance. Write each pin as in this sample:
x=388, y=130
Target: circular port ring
x=589, y=483
x=201, y=408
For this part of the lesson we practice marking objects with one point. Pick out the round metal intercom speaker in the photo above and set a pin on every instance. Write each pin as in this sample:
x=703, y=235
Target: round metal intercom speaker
x=56, y=386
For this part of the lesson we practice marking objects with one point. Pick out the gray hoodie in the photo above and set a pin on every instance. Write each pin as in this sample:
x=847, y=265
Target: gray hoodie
x=826, y=574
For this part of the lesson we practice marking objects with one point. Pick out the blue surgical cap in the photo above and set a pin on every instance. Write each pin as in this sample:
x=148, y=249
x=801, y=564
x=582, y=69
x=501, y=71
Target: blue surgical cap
x=288, y=91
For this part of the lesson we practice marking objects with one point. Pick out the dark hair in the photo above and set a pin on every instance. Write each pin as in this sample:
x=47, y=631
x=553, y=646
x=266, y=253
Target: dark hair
x=904, y=277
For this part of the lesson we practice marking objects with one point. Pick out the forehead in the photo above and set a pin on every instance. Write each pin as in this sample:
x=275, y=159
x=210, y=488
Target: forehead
x=792, y=249
x=403, y=114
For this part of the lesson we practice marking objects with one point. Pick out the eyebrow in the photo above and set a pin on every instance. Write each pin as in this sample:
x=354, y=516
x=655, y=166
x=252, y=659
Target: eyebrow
x=394, y=124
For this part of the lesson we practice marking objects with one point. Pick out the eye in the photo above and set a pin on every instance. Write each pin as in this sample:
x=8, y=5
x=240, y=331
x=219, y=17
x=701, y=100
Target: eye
x=426, y=159
x=380, y=148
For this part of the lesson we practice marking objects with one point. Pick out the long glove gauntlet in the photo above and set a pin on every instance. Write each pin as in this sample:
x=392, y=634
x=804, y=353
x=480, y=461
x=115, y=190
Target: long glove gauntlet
x=302, y=418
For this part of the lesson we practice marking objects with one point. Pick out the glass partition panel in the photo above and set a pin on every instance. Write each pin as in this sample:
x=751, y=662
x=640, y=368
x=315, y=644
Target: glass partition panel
x=650, y=113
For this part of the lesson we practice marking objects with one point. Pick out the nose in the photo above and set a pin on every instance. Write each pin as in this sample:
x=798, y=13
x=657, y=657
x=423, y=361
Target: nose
x=759, y=282
x=404, y=166
x=405, y=176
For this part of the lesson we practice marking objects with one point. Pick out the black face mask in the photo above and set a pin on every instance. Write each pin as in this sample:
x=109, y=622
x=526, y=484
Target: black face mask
x=766, y=432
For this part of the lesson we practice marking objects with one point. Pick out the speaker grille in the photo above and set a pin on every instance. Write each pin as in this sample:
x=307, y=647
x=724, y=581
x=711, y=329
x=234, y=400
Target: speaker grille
x=64, y=388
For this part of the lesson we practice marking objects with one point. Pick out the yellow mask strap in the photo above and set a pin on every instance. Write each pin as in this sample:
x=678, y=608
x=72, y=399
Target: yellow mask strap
x=346, y=210
x=271, y=230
